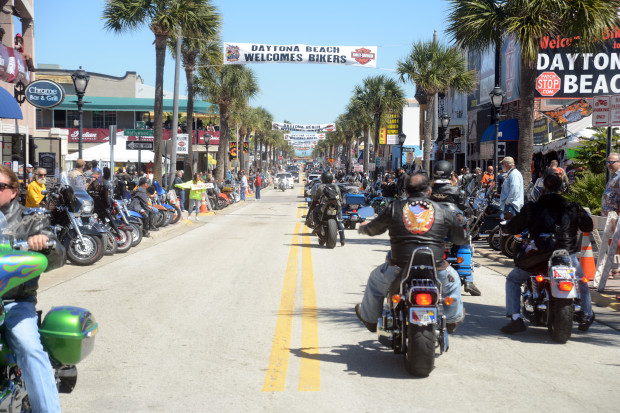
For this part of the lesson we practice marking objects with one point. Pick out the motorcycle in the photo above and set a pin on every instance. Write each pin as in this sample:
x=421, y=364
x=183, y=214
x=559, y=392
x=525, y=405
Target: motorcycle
x=74, y=225
x=67, y=333
x=129, y=217
x=460, y=257
x=350, y=216
x=164, y=200
x=282, y=185
x=119, y=233
x=413, y=322
x=552, y=299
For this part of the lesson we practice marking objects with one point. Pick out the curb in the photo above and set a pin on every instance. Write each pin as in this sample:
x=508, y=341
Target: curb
x=605, y=300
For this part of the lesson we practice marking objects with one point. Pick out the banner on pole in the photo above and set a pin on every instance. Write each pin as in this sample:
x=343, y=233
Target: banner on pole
x=245, y=53
x=323, y=127
x=304, y=136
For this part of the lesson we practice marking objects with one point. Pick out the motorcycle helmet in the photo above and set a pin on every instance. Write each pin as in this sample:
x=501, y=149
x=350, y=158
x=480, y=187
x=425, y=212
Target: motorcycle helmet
x=327, y=177
x=131, y=169
x=442, y=170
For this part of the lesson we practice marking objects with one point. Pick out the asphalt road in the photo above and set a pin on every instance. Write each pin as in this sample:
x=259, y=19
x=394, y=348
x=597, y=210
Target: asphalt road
x=244, y=312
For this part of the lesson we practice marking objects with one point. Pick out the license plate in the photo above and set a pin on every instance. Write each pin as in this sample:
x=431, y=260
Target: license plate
x=563, y=272
x=353, y=218
x=422, y=315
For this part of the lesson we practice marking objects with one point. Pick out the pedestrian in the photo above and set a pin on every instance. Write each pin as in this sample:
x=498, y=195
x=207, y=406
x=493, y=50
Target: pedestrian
x=258, y=182
x=488, y=178
x=29, y=174
x=512, y=197
x=244, y=185
x=34, y=194
x=76, y=176
x=611, y=195
x=88, y=173
x=197, y=188
x=178, y=179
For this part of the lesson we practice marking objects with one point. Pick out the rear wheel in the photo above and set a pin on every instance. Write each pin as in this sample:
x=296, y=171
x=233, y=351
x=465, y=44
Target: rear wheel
x=561, y=319
x=177, y=215
x=332, y=233
x=507, y=243
x=420, y=354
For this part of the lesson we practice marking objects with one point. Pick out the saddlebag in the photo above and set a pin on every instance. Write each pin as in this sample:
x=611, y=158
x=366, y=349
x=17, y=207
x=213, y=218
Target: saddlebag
x=68, y=334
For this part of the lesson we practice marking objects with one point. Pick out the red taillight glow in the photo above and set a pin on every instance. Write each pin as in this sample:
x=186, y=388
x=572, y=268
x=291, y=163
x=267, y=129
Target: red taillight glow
x=566, y=286
x=423, y=299
x=396, y=298
x=539, y=278
x=445, y=256
x=585, y=279
x=354, y=211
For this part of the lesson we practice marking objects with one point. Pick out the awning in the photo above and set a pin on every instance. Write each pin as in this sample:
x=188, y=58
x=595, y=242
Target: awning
x=9, y=108
x=509, y=129
x=120, y=104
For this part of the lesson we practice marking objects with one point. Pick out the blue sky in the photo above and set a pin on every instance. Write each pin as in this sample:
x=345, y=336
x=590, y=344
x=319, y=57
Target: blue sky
x=71, y=33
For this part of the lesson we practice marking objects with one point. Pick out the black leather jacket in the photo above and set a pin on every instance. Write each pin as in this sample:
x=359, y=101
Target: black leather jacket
x=140, y=200
x=24, y=227
x=443, y=191
x=530, y=217
x=434, y=226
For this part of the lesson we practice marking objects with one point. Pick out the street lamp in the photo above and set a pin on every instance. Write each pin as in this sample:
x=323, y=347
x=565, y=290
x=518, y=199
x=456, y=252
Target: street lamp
x=80, y=82
x=497, y=98
x=401, y=140
x=445, y=122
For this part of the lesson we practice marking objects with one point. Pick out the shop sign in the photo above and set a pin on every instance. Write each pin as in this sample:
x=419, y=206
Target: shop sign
x=44, y=94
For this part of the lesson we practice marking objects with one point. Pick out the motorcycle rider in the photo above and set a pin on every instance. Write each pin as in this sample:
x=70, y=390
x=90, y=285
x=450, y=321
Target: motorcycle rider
x=313, y=211
x=140, y=203
x=532, y=216
x=444, y=191
x=431, y=223
x=22, y=332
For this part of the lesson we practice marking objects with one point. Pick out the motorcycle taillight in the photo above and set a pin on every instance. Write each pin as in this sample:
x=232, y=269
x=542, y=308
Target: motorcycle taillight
x=423, y=299
x=566, y=285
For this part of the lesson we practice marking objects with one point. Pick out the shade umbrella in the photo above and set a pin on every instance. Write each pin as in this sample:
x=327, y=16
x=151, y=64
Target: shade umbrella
x=9, y=108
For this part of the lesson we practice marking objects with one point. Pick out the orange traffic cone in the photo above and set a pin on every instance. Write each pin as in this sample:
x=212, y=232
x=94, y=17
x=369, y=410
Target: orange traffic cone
x=586, y=260
x=203, y=205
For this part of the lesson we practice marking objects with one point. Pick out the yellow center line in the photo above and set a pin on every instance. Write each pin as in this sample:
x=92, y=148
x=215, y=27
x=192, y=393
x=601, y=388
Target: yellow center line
x=309, y=373
x=275, y=379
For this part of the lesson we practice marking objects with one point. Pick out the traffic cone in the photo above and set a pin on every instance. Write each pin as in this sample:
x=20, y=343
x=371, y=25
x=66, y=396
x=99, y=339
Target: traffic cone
x=586, y=260
x=203, y=205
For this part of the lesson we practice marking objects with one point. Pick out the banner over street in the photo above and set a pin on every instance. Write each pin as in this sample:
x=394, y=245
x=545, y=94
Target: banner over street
x=244, y=53
x=324, y=127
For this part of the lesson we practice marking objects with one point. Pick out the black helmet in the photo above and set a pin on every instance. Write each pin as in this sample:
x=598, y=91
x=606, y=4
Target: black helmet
x=327, y=177
x=442, y=170
x=130, y=169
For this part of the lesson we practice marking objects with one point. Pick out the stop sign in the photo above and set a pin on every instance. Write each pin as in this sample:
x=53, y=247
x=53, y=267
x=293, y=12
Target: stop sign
x=548, y=83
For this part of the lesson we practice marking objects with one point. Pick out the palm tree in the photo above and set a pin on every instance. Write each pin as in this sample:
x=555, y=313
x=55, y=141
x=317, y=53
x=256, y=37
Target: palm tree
x=162, y=17
x=434, y=68
x=225, y=86
x=379, y=95
x=262, y=127
x=477, y=24
x=362, y=117
x=192, y=46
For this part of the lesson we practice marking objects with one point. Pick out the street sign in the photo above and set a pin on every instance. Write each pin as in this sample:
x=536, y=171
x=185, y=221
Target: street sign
x=138, y=132
x=548, y=84
x=148, y=146
x=501, y=150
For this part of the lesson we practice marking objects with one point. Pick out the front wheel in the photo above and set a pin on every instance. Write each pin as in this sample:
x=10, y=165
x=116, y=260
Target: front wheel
x=561, y=319
x=124, y=240
x=494, y=237
x=506, y=243
x=111, y=246
x=420, y=354
x=84, y=253
x=177, y=214
x=332, y=233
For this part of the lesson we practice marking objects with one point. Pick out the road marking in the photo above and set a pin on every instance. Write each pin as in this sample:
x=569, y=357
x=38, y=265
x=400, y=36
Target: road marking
x=309, y=373
x=275, y=379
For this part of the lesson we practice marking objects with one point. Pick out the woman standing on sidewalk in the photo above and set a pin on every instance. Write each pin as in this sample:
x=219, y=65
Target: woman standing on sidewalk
x=197, y=188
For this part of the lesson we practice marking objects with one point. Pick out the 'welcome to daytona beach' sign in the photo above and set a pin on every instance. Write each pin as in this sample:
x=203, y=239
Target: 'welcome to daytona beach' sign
x=244, y=53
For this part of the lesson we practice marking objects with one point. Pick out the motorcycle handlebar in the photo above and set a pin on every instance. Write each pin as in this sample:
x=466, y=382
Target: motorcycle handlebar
x=23, y=245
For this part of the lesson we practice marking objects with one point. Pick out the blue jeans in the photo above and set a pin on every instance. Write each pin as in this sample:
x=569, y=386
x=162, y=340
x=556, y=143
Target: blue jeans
x=182, y=199
x=257, y=190
x=517, y=276
x=242, y=190
x=382, y=277
x=22, y=334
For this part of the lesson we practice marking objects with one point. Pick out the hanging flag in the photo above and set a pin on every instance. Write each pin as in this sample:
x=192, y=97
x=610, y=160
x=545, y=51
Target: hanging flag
x=577, y=110
x=244, y=53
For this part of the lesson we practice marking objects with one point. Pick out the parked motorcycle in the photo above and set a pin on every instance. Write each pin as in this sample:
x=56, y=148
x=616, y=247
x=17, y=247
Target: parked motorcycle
x=119, y=233
x=413, y=322
x=552, y=299
x=75, y=227
x=163, y=199
x=67, y=333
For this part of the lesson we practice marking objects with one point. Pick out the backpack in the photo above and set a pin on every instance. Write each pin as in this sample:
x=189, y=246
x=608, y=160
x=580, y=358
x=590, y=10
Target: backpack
x=331, y=193
x=534, y=253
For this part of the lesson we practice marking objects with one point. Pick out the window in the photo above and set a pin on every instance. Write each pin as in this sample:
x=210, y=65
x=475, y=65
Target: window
x=103, y=119
x=73, y=118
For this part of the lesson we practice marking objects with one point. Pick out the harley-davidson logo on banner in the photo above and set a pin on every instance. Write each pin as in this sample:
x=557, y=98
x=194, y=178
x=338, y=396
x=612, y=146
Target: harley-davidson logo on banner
x=324, y=127
x=244, y=53
x=565, y=73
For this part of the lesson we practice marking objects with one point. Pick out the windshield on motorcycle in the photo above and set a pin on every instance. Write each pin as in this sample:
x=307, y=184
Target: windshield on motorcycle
x=79, y=201
x=5, y=233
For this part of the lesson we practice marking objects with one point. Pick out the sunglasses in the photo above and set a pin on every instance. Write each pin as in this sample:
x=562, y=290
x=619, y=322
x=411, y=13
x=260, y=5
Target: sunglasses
x=42, y=175
x=611, y=162
x=4, y=186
